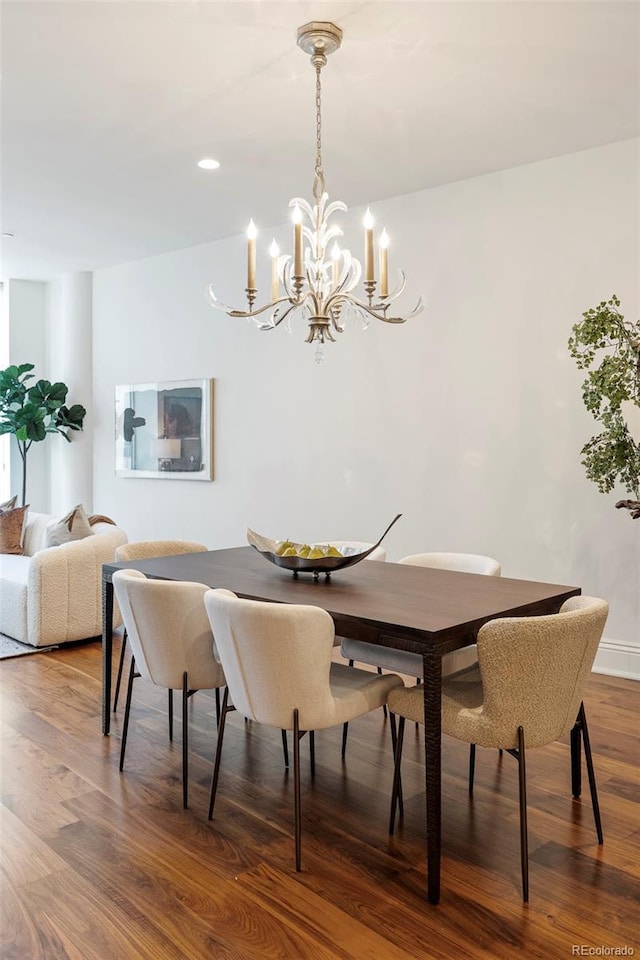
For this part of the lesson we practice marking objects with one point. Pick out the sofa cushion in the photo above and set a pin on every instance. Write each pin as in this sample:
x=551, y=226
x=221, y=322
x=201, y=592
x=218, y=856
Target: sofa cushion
x=35, y=532
x=75, y=526
x=12, y=524
x=14, y=578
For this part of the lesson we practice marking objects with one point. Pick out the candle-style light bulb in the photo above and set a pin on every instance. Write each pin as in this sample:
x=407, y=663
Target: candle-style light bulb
x=384, y=273
x=297, y=241
x=274, y=250
x=335, y=257
x=252, y=233
x=369, y=274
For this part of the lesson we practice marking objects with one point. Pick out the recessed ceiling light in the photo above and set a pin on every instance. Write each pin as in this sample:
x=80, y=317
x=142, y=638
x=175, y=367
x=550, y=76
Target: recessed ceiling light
x=7, y=234
x=208, y=164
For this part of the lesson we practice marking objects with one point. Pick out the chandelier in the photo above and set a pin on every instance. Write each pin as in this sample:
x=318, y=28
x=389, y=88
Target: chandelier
x=317, y=281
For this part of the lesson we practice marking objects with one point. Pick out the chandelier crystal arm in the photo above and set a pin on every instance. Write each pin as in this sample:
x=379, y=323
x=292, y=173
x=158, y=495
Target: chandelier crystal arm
x=375, y=309
x=231, y=312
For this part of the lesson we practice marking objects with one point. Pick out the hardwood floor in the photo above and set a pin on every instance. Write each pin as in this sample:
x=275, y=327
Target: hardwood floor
x=98, y=865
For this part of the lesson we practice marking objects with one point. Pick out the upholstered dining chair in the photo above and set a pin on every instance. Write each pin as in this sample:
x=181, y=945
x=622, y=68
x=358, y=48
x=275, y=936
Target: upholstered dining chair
x=403, y=661
x=171, y=644
x=277, y=661
x=151, y=550
x=525, y=691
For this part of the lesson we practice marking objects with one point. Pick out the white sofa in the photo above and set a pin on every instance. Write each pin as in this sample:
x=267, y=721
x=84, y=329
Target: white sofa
x=53, y=595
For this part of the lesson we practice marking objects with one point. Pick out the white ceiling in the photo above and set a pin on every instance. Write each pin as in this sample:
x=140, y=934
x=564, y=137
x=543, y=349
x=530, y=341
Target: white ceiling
x=107, y=106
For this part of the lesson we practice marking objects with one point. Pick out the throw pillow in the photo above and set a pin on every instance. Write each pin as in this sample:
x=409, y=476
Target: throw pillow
x=75, y=526
x=9, y=504
x=100, y=518
x=12, y=523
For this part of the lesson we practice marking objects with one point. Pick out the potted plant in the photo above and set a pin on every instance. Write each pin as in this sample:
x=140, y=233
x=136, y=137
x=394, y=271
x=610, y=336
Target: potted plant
x=611, y=392
x=29, y=413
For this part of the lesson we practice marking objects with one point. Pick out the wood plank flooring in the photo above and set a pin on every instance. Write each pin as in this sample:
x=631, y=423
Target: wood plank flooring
x=98, y=865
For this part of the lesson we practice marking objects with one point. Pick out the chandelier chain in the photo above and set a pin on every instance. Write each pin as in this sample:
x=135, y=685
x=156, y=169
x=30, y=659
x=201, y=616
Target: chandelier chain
x=318, y=183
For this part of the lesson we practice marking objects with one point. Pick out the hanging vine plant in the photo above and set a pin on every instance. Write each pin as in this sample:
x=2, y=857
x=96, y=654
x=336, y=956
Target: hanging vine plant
x=610, y=392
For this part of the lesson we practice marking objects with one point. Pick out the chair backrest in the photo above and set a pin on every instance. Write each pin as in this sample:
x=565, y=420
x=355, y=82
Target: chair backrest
x=150, y=549
x=534, y=669
x=168, y=630
x=276, y=658
x=378, y=554
x=462, y=562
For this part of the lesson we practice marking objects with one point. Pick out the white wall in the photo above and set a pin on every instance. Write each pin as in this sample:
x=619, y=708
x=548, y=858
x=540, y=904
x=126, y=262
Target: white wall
x=468, y=420
x=27, y=311
x=49, y=325
x=71, y=464
x=5, y=476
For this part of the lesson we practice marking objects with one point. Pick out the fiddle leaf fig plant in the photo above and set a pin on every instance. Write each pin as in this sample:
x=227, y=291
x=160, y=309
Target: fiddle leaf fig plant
x=29, y=413
x=608, y=347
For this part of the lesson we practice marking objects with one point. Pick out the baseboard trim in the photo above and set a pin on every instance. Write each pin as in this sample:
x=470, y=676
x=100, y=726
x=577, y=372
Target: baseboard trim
x=618, y=659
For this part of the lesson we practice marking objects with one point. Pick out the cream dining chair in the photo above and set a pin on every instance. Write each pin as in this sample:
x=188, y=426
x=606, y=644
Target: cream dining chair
x=171, y=644
x=525, y=691
x=151, y=550
x=403, y=661
x=277, y=661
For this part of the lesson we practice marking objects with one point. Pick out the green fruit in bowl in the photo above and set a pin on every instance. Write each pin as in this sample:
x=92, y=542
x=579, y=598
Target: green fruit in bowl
x=304, y=551
x=283, y=545
x=333, y=552
x=289, y=552
x=315, y=553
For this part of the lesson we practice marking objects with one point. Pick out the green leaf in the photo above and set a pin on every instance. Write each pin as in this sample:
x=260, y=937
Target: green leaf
x=48, y=395
x=72, y=417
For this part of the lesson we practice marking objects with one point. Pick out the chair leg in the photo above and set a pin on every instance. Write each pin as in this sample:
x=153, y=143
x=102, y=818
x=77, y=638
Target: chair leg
x=296, y=789
x=524, y=844
x=345, y=731
x=170, y=709
x=123, y=647
x=350, y=663
x=216, y=766
x=127, y=711
x=394, y=740
x=472, y=766
x=395, y=790
x=576, y=772
x=217, y=707
x=582, y=717
x=394, y=735
x=285, y=748
x=312, y=751
x=185, y=741
x=384, y=706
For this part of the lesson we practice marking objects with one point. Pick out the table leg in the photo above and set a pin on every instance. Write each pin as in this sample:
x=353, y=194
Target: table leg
x=107, y=647
x=432, y=692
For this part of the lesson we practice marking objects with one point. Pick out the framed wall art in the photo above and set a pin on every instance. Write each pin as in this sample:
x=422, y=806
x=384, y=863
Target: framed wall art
x=165, y=430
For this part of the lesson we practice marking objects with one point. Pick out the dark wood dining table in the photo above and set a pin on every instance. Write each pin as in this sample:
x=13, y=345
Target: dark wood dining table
x=420, y=609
